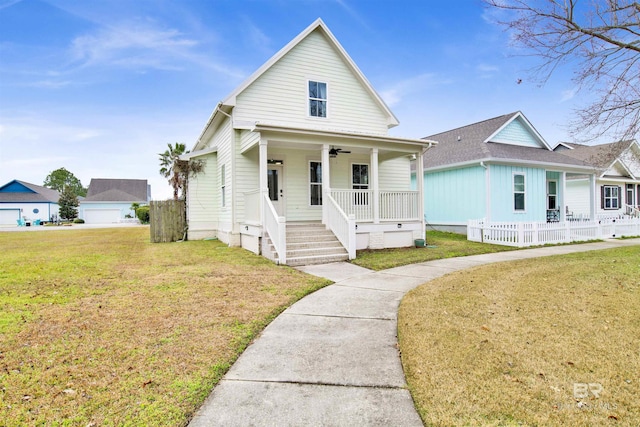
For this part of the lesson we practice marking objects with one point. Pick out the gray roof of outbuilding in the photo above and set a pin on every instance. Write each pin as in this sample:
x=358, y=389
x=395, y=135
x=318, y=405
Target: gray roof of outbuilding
x=117, y=190
x=41, y=194
x=467, y=144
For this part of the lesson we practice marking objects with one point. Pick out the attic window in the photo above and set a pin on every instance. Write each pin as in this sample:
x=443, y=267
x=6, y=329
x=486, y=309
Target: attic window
x=317, y=99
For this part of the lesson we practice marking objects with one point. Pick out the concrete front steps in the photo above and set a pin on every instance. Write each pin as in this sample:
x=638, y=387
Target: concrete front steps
x=311, y=243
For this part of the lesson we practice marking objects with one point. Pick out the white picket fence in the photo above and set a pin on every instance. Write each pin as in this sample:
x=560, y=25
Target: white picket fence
x=522, y=234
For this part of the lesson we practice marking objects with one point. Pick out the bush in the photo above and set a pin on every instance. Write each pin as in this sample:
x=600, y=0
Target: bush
x=143, y=214
x=78, y=221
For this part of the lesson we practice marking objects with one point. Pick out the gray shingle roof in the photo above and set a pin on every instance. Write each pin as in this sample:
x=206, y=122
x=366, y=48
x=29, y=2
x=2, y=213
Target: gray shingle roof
x=467, y=144
x=117, y=190
x=40, y=194
x=600, y=156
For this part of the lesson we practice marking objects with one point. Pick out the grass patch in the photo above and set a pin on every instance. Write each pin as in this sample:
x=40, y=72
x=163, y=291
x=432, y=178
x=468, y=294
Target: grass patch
x=447, y=245
x=505, y=344
x=100, y=327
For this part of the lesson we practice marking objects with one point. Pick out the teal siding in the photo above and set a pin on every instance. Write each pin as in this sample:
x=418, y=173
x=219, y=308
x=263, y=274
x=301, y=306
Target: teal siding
x=454, y=196
x=502, y=208
x=516, y=133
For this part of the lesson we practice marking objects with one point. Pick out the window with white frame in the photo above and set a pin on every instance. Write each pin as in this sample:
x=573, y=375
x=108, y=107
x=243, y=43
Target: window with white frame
x=518, y=192
x=317, y=99
x=315, y=183
x=360, y=181
x=552, y=195
x=223, y=199
x=610, y=197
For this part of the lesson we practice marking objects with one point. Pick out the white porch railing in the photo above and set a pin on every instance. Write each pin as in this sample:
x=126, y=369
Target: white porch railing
x=399, y=205
x=276, y=227
x=392, y=205
x=521, y=234
x=343, y=226
x=633, y=211
x=252, y=206
x=358, y=203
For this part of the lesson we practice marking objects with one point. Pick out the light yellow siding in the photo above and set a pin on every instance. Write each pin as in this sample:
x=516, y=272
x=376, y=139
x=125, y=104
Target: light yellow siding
x=280, y=94
x=395, y=174
x=203, y=199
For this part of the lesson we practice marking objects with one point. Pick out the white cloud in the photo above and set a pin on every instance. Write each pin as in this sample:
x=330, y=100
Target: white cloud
x=142, y=45
x=134, y=45
x=569, y=94
x=394, y=94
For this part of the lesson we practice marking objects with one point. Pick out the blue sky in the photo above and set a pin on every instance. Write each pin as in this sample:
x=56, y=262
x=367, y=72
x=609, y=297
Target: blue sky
x=100, y=87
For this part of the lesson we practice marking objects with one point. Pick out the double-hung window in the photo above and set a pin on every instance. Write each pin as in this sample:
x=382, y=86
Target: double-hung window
x=610, y=197
x=518, y=192
x=315, y=183
x=317, y=99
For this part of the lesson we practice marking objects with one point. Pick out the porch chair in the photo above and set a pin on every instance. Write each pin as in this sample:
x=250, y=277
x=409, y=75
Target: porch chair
x=21, y=222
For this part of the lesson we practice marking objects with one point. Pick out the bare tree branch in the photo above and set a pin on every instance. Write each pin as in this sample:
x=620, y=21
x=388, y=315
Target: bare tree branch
x=600, y=39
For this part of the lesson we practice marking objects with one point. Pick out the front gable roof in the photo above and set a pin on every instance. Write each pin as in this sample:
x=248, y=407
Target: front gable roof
x=224, y=107
x=117, y=190
x=317, y=25
x=497, y=139
x=621, y=158
x=20, y=191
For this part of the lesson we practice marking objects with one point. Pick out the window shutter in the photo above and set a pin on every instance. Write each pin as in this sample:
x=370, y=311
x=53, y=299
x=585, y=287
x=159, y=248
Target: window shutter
x=602, y=197
x=619, y=197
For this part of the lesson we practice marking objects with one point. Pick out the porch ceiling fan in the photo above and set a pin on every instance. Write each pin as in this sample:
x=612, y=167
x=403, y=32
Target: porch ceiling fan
x=335, y=151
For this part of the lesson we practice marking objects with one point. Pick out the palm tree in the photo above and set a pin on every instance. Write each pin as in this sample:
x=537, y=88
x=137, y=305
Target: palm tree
x=171, y=167
x=178, y=171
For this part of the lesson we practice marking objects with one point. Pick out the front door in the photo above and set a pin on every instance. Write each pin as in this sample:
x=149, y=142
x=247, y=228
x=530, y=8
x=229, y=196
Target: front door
x=274, y=179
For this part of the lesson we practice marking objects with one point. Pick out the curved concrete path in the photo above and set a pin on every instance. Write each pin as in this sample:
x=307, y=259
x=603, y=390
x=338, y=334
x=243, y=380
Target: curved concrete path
x=332, y=358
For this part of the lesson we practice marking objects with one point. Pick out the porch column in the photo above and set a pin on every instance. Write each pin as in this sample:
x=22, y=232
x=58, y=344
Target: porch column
x=563, y=198
x=420, y=188
x=592, y=197
x=326, y=181
x=262, y=182
x=375, y=185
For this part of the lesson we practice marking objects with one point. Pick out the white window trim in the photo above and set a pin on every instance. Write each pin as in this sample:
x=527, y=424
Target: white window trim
x=223, y=186
x=549, y=194
x=308, y=99
x=513, y=192
x=616, y=199
x=309, y=184
x=368, y=173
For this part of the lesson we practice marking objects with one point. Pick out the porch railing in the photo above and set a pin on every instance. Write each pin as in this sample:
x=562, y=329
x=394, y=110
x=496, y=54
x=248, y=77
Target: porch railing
x=633, y=211
x=276, y=227
x=521, y=234
x=342, y=225
x=399, y=205
x=392, y=205
x=252, y=206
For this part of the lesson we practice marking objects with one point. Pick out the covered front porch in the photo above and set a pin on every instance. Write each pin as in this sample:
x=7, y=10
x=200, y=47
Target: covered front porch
x=357, y=186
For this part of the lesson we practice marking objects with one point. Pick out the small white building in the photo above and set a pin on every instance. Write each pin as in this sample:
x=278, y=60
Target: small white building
x=300, y=153
x=27, y=202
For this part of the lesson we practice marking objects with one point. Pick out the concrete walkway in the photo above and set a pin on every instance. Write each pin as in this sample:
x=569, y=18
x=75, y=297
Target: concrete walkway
x=332, y=358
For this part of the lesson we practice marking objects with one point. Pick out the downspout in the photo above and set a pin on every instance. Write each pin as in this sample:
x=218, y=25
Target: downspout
x=487, y=192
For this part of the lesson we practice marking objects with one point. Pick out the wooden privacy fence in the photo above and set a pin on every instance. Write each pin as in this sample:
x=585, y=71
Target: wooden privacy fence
x=167, y=221
x=521, y=234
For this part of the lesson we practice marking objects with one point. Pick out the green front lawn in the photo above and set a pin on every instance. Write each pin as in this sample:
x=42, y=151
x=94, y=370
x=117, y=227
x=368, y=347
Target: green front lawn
x=439, y=245
x=100, y=327
x=547, y=341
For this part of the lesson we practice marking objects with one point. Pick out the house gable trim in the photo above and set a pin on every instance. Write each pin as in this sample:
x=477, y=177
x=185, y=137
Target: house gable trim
x=528, y=126
x=230, y=100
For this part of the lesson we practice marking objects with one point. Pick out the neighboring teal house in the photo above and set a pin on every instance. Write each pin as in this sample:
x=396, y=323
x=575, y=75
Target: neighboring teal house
x=499, y=170
x=27, y=202
x=109, y=200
